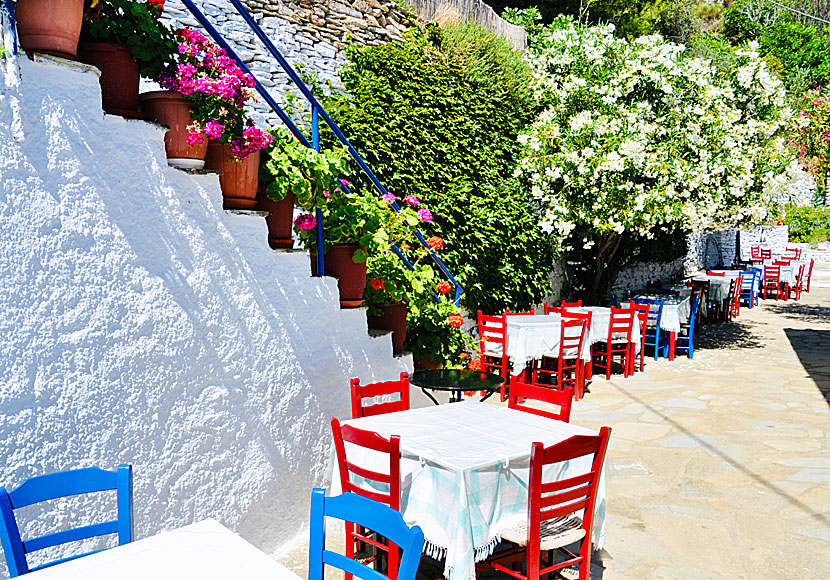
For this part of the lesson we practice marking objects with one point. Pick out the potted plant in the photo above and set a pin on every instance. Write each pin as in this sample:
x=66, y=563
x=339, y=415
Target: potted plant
x=434, y=334
x=50, y=26
x=388, y=288
x=125, y=39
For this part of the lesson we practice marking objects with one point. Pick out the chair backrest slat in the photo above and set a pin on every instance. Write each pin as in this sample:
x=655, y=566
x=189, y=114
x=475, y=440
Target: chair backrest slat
x=577, y=304
x=360, y=392
x=521, y=391
x=552, y=486
x=63, y=484
x=366, y=513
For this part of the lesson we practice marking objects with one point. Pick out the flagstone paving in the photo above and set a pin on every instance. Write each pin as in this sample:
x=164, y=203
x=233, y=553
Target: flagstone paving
x=718, y=467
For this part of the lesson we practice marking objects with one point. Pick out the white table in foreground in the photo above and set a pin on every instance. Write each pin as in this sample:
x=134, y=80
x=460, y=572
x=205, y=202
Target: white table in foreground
x=205, y=550
x=464, y=474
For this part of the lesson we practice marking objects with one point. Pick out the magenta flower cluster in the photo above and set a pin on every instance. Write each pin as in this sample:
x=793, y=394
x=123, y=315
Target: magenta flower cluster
x=412, y=200
x=424, y=215
x=305, y=221
x=252, y=140
x=389, y=197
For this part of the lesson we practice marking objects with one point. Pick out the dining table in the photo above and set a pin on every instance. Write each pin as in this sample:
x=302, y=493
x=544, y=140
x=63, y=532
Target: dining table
x=789, y=273
x=718, y=286
x=206, y=550
x=733, y=275
x=464, y=474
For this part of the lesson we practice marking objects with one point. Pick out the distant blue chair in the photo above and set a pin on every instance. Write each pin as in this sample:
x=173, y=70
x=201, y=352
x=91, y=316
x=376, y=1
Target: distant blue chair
x=653, y=334
x=615, y=301
x=687, y=342
x=749, y=288
x=63, y=484
x=367, y=513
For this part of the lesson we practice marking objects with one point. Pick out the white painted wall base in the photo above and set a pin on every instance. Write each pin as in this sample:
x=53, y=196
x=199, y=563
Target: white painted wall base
x=143, y=324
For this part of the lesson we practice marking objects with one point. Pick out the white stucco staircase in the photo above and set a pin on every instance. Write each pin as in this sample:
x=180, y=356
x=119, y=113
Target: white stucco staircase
x=142, y=323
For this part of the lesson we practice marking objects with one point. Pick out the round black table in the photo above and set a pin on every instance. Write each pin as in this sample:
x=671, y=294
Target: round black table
x=455, y=382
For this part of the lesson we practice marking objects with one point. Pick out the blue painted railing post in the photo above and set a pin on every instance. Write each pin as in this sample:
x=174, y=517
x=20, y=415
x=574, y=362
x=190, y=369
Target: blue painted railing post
x=315, y=142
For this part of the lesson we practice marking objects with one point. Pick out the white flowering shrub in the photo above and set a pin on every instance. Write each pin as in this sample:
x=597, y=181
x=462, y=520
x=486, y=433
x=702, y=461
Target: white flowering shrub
x=638, y=134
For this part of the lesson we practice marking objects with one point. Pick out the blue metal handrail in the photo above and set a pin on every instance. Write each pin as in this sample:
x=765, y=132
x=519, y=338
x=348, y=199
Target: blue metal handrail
x=317, y=112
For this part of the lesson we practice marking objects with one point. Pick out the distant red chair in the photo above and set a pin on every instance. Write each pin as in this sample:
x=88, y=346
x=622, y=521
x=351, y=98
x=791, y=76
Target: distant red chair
x=772, y=281
x=569, y=366
x=492, y=345
x=711, y=273
x=795, y=253
x=795, y=291
x=616, y=348
x=756, y=254
x=392, y=447
x=361, y=392
x=809, y=276
x=559, y=513
x=642, y=311
x=766, y=254
x=548, y=309
x=577, y=304
x=521, y=392
x=735, y=296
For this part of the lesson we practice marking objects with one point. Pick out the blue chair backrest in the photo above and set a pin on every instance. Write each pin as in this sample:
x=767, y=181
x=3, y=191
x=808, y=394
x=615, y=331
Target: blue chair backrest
x=654, y=314
x=368, y=513
x=63, y=484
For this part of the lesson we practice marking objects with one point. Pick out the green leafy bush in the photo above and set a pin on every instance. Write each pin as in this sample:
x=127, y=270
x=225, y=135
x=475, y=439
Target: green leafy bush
x=808, y=223
x=437, y=118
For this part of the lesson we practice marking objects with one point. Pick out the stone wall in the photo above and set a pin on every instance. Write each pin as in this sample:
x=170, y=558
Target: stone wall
x=444, y=11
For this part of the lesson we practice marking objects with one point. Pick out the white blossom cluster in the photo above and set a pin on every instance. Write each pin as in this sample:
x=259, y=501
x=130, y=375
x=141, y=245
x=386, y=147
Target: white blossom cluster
x=639, y=134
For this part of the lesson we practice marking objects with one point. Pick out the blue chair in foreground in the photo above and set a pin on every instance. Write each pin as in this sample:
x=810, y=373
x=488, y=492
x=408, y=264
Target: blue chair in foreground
x=63, y=484
x=654, y=335
x=749, y=287
x=367, y=513
x=687, y=341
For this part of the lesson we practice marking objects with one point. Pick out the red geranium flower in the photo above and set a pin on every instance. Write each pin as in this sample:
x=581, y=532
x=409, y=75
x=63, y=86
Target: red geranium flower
x=455, y=320
x=475, y=365
x=435, y=243
x=157, y=6
x=377, y=284
x=444, y=287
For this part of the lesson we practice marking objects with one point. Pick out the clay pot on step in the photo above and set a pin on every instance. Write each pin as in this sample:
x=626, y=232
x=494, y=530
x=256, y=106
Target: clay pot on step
x=280, y=219
x=351, y=277
x=392, y=317
x=239, y=179
x=172, y=109
x=424, y=363
x=119, y=76
x=50, y=26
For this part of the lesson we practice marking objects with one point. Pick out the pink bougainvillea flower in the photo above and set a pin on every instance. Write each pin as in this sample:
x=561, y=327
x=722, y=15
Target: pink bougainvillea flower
x=305, y=221
x=412, y=200
x=424, y=215
x=389, y=198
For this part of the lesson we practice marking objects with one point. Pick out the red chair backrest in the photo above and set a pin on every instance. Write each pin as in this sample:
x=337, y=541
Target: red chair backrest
x=782, y=262
x=641, y=312
x=756, y=252
x=766, y=254
x=577, y=304
x=370, y=440
x=360, y=392
x=622, y=322
x=521, y=391
x=575, y=329
x=491, y=330
x=555, y=499
x=810, y=274
x=552, y=309
x=710, y=273
x=772, y=272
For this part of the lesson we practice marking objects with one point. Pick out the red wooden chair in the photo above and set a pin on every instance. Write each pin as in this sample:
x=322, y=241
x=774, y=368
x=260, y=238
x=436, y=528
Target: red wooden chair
x=577, y=304
x=766, y=254
x=492, y=346
x=756, y=254
x=711, y=273
x=772, y=280
x=569, y=366
x=357, y=537
x=361, y=392
x=552, y=309
x=793, y=253
x=559, y=513
x=735, y=307
x=795, y=291
x=520, y=392
x=809, y=276
x=641, y=311
x=616, y=348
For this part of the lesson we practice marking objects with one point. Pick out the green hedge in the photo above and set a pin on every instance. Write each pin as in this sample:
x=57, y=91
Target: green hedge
x=437, y=117
x=808, y=224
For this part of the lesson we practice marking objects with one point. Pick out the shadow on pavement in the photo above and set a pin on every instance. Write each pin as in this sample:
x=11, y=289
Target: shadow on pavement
x=801, y=312
x=734, y=335
x=813, y=350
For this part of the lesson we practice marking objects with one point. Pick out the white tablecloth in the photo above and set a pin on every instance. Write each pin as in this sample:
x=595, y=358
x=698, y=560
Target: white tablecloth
x=464, y=474
x=531, y=336
x=718, y=287
x=789, y=274
x=676, y=309
x=206, y=550
x=733, y=274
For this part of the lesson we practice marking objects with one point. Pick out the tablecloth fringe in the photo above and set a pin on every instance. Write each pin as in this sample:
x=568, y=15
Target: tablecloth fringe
x=480, y=553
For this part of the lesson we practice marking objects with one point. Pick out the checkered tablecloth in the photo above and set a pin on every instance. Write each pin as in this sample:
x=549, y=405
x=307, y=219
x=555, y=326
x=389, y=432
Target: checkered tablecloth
x=718, y=287
x=464, y=474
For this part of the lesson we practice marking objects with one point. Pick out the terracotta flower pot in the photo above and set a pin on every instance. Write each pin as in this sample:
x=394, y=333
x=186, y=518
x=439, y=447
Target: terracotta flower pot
x=50, y=26
x=280, y=219
x=392, y=318
x=424, y=363
x=172, y=109
x=239, y=179
x=119, y=76
x=351, y=277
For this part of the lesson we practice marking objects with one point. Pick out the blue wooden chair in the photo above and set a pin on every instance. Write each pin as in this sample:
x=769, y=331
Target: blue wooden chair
x=367, y=513
x=749, y=288
x=687, y=342
x=654, y=335
x=63, y=484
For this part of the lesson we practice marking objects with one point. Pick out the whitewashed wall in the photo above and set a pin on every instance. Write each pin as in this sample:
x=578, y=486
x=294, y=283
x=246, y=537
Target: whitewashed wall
x=141, y=323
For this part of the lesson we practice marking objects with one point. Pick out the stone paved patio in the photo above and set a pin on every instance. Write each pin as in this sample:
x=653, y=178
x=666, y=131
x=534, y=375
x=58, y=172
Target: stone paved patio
x=719, y=467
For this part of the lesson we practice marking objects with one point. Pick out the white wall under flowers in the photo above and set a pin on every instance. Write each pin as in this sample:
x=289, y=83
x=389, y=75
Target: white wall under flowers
x=143, y=324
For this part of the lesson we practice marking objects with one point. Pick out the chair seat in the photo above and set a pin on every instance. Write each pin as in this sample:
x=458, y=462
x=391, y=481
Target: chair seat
x=554, y=533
